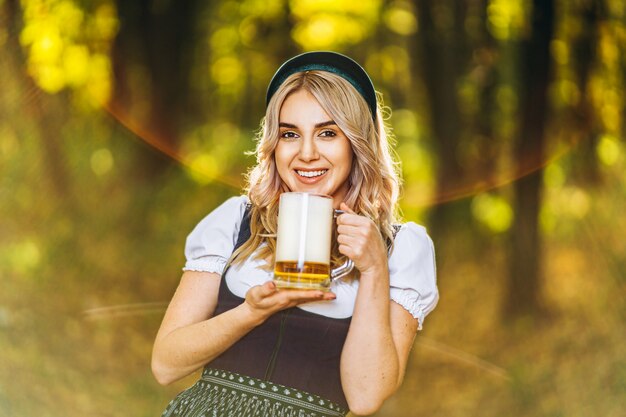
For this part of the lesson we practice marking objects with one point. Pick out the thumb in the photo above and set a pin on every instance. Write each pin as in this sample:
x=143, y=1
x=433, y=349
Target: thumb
x=346, y=208
x=267, y=289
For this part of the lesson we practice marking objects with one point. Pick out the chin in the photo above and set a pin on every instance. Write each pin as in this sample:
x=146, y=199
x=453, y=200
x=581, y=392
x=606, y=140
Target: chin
x=313, y=189
x=319, y=191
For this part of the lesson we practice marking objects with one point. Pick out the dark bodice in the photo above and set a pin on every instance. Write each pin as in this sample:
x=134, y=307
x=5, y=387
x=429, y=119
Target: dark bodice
x=294, y=347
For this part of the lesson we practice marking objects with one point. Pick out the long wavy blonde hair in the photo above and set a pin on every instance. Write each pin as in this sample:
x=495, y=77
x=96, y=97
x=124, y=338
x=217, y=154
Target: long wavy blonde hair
x=374, y=181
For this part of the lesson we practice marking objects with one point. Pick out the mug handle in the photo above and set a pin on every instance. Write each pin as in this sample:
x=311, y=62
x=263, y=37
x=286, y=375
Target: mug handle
x=344, y=269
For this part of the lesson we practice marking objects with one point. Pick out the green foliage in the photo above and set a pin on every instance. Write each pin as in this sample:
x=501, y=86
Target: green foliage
x=69, y=48
x=507, y=19
x=332, y=24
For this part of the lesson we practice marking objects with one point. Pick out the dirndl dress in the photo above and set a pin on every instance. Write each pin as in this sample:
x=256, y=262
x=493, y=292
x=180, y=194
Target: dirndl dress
x=227, y=394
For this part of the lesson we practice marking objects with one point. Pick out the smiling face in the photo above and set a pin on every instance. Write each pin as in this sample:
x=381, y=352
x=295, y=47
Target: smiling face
x=312, y=155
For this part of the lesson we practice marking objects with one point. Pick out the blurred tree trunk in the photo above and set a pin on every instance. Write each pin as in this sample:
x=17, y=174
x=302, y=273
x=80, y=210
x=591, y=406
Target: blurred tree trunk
x=486, y=142
x=443, y=60
x=397, y=93
x=584, y=53
x=39, y=107
x=151, y=59
x=275, y=37
x=523, y=292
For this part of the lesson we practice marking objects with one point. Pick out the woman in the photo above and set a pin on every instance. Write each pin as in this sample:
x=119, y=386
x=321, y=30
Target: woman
x=302, y=352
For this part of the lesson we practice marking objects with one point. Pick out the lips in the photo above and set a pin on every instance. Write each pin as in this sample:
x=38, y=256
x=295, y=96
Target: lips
x=311, y=174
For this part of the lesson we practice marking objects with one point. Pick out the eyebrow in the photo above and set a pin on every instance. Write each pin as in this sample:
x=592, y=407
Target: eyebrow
x=317, y=126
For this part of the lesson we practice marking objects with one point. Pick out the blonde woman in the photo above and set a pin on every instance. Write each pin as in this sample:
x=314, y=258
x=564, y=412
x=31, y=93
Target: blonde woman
x=271, y=352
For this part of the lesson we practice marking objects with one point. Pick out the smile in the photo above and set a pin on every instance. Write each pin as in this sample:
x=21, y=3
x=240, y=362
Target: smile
x=311, y=174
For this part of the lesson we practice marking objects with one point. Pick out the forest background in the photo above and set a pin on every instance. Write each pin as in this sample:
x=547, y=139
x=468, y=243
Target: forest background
x=122, y=123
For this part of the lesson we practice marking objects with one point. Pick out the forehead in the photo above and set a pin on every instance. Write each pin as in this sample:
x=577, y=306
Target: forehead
x=301, y=107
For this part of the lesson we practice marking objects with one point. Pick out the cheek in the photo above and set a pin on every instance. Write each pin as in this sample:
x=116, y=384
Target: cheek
x=350, y=159
x=345, y=158
x=282, y=160
x=279, y=156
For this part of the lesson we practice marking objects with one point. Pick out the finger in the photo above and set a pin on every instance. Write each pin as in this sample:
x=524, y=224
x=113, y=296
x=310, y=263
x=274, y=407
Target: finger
x=329, y=295
x=349, y=240
x=356, y=244
x=349, y=230
x=352, y=219
x=302, y=296
x=305, y=295
x=347, y=250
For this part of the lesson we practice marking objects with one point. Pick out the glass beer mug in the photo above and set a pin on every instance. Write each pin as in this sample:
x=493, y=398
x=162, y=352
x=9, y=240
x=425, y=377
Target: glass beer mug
x=303, y=242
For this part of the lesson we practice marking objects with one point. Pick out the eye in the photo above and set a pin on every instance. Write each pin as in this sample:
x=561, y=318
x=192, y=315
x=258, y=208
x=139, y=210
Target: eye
x=288, y=134
x=328, y=133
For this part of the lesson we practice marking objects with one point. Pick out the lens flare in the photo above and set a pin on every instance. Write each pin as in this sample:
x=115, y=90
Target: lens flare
x=162, y=145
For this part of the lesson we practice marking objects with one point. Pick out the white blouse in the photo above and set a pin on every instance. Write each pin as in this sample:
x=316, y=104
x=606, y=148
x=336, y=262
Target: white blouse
x=412, y=270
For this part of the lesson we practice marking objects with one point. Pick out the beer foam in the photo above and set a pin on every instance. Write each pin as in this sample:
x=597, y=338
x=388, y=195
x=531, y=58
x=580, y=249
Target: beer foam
x=304, y=228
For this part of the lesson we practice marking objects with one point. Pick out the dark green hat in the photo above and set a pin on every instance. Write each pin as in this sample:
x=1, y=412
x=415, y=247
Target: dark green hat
x=333, y=62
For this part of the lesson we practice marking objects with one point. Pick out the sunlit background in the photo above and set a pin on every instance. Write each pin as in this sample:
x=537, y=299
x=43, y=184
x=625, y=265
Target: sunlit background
x=122, y=123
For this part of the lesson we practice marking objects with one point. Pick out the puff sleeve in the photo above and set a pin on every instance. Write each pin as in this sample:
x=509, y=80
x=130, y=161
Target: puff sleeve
x=413, y=273
x=212, y=241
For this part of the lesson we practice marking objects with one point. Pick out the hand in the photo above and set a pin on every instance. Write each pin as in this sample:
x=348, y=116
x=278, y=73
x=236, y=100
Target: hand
x=360, y=240
x=265, y=300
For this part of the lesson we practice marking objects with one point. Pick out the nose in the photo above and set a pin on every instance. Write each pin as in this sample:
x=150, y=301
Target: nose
x=308, y=150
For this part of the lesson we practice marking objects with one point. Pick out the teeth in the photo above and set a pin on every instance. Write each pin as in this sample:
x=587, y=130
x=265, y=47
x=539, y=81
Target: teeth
x=311, y=174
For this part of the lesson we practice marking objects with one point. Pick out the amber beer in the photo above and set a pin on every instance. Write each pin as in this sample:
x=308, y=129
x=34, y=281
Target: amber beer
x=309, y=276
x=303, y=241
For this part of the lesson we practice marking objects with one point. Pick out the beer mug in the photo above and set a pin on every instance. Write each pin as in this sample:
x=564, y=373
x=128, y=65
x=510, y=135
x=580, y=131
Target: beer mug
x=303, y=242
